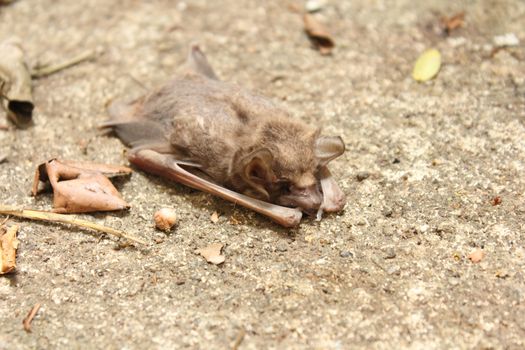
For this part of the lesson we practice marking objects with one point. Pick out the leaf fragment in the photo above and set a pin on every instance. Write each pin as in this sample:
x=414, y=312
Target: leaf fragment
x=452, y=23
x=318, y=34
x=8, y=247
x=214, y=217
x=476, y=256
x=81, y=187
x=427, y=65
x=212, y=253
x=15, y=83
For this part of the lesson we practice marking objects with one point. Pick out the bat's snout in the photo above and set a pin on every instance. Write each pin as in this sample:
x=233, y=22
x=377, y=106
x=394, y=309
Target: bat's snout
x=309, y=199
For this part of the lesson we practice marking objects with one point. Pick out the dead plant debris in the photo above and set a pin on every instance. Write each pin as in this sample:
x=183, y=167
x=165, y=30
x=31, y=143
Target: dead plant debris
x=476, y=256
x=427, y=65
x=81, y=187
x=8, y=247
x=214, y=217
x=15, y=83
x=212, y=253
x=449, y=24
x=318, y=34
x=29, y=318
x=65, y=219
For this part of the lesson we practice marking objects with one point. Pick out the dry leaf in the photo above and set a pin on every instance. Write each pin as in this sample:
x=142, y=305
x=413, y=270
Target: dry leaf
x=452, y=23
x=427, y=65
x=212, y=253
x=318, y=34
x=496, y=200
x=80, y=187
x=476, y=256
x=15, y=83
x=214, y=217
x=8, y=247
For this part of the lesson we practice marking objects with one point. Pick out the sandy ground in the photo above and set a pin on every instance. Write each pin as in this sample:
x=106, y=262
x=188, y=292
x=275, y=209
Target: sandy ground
x=391, y=271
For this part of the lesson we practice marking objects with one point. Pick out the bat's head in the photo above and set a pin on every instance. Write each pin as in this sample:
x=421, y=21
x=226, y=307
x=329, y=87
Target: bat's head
x=283, y=166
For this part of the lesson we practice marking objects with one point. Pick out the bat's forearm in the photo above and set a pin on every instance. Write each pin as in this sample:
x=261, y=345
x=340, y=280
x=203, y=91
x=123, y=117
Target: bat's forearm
x=165, y=166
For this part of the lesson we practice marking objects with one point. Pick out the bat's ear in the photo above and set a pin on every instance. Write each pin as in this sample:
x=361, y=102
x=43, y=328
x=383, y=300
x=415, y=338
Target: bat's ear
x=198, y=63
x=328, y=148
x=256, y=170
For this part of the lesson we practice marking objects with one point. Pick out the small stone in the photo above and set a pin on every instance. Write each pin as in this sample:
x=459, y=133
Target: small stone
x=387, y=212
x=362, y=175
x=393, y=270
x=390, y=253
x=314, y=5
x=346, y=254
x=509, y=39
x=282, y=247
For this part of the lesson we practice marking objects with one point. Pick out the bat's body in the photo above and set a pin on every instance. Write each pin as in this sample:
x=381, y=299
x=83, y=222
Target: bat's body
x=207, y=133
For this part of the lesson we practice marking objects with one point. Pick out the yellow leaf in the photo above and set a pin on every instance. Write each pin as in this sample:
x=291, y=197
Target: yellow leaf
x=427, y=65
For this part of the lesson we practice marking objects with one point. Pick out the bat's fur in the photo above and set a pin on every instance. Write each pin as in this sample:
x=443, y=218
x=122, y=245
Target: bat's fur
x=235, y=137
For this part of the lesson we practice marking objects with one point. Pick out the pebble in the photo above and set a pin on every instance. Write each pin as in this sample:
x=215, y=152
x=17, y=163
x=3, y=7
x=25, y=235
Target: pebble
x=509, y=39
x=387, y=212
x=314, y=5
x=346, y=254
x=393, y=270
x=390, y=253
x=282, y=247
x=362, y=175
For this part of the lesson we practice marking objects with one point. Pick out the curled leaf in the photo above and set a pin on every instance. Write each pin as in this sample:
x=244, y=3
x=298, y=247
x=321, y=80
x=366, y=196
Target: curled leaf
x=212, y=253
x=15, y=83
x=8, y=247
x=427, y=65
x=318, y=34
x=80, y=187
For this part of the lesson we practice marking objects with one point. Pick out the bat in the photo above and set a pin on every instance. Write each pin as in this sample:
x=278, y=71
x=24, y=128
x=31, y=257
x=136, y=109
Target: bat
x=220, y=138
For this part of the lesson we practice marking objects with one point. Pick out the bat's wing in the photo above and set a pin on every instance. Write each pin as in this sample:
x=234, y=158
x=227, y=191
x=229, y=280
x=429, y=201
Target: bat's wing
x=135, y=131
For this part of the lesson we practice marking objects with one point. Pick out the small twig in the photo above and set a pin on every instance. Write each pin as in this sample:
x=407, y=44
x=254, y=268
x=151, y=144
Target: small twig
x=51, y=69
x=239, y=339
x=27, y=321
x=65, y=219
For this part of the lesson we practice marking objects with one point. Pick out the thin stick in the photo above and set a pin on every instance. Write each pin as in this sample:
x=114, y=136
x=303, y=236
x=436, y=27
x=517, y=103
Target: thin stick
x=29, y=318
x=51, y=69
x=238, y=340
x=65, y=219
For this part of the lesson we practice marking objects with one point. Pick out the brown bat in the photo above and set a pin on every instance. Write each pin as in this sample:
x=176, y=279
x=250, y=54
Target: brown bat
x=225, y=140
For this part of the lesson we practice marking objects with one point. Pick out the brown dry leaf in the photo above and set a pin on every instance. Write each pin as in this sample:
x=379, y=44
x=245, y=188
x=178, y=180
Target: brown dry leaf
x=476, y=256
x=212, y=253
x=15, y=83
x=214, y=217
x=8, y=247
x=496, y=201
x=318, y=34
x=80, y=187
x=452, y=23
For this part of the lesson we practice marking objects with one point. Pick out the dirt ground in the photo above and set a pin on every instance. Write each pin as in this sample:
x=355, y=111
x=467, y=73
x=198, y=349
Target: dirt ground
x=423, y=165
